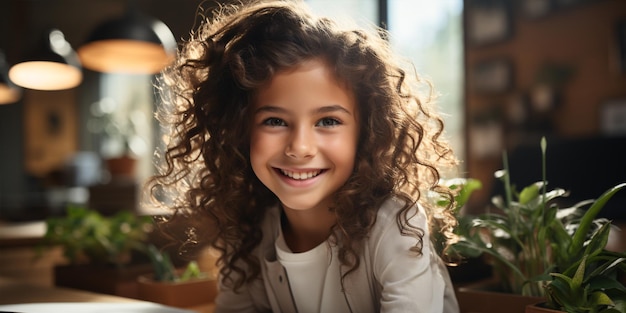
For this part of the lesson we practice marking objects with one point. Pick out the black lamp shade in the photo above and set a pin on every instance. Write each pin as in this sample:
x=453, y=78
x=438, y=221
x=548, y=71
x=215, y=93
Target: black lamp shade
x=53, y=65
x=132, y=43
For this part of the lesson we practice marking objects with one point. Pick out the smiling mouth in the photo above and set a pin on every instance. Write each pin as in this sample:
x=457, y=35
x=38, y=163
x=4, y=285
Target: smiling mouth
x=300, y=175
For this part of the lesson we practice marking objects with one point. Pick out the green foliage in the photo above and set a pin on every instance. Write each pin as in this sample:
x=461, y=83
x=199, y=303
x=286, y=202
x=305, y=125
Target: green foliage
x=537, y=248
x=462, y=189
x=591, y=283
x=87, y=236
x=164, y=269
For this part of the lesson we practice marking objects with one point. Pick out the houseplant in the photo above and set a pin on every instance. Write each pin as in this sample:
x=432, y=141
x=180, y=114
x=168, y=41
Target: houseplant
x=180, y=287
x=590, y=283
x=528, y=235
x=104, y=253
x=115, y=254
x=119, y=129
x=87, y=236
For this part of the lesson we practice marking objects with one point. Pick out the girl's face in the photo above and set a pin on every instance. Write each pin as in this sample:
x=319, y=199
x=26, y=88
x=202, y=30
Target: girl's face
x=304, y=135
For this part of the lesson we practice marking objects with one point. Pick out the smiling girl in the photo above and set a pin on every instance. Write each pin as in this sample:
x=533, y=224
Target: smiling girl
x=302, y=153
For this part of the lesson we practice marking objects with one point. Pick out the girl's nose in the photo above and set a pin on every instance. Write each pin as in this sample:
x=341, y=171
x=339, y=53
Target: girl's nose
x=301, y=144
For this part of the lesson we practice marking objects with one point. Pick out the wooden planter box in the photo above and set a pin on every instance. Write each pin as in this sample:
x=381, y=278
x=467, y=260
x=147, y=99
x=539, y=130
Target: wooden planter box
x=101, y=278
x=537, y=308
x=185, y=294
x=483, y=298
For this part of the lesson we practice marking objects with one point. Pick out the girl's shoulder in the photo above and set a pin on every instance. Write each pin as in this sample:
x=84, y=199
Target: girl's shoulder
x=388, y=212
x=393, y=236
x=386, y=225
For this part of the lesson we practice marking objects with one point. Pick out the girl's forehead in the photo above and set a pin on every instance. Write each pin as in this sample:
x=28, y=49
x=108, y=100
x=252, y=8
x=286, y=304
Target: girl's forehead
x=311, y=64
x=305, y=64
x=319, y=64
x=308, y=87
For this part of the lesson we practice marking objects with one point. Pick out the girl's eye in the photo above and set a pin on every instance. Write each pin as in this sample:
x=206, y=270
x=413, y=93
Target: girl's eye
x=273, y=121
x=328, y=122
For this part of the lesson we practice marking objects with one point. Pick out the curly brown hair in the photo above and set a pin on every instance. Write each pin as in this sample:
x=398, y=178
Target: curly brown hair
x=206, y=176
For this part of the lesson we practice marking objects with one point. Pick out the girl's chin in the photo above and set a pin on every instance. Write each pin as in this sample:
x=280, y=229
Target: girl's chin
x=291, y=205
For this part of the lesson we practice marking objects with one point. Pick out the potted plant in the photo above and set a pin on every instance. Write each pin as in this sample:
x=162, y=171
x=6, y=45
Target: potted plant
x=119, y=129
x=589, y=284
x=185, y=287
x=528, y=236
x=104, y=253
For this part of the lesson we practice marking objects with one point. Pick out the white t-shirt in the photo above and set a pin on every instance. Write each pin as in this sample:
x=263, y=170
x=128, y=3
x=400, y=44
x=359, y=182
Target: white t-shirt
x=314, y=287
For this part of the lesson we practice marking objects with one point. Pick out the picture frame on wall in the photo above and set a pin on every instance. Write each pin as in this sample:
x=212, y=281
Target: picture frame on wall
x=613, y=117
x=488, y=21
x=50, y=130
x=620, y=47
x=534, y=9
x=492, y=76
x=564, y=4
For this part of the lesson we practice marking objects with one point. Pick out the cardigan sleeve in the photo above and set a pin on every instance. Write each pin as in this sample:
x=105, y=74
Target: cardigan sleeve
x=253, y=296
x=410, y=282
x=230, y=301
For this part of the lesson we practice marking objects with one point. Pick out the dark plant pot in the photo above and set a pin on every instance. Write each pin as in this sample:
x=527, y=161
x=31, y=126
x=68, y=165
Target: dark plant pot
x=106, y=279
x=123, y=166
x=484, y=297
x=194, y=292
x=538, y=308
x=471, y=270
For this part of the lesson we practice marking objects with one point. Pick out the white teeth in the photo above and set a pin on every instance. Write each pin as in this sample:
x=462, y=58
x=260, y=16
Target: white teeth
x=300, y=175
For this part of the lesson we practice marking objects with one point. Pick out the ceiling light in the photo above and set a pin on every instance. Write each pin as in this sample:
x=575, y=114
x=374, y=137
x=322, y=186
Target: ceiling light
x=133, y=43
x=54, y=65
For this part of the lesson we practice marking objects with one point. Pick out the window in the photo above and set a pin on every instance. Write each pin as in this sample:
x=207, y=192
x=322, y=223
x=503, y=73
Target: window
x=121, y=120
x=363, y=12
x=427, y=32
x=430, y=33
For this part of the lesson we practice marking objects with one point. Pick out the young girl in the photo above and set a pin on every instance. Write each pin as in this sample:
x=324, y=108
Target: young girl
x=303, y=154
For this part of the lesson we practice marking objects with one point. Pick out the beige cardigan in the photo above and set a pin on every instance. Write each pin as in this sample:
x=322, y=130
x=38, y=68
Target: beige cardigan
x=364, y=293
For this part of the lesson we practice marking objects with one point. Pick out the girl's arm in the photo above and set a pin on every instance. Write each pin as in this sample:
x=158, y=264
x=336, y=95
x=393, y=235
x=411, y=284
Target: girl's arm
x=243, y=300
x=230, y=301
x=410, y=282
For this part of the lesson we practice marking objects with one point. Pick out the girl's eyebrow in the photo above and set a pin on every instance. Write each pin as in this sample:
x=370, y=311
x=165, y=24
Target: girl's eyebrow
x=324, y=109
x=269, y=108
x=333, y=108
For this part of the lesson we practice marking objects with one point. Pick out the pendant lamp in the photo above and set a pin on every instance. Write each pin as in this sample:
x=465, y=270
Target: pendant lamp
x=53, y=65
x=133, y=43
x=9, y=93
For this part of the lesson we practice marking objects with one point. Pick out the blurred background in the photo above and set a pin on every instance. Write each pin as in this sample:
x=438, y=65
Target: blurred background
x=507, y=72
x=77, y=98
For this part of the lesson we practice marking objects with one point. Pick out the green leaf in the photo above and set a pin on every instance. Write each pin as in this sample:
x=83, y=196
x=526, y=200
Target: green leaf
x=529, y=193
x=192, y=271
x=163, y=268
x=466, y=191
x=600, y=298
x=598, y=240
x=560, y=292
x=607, y=284
x=588, y=218
x=577, y=280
